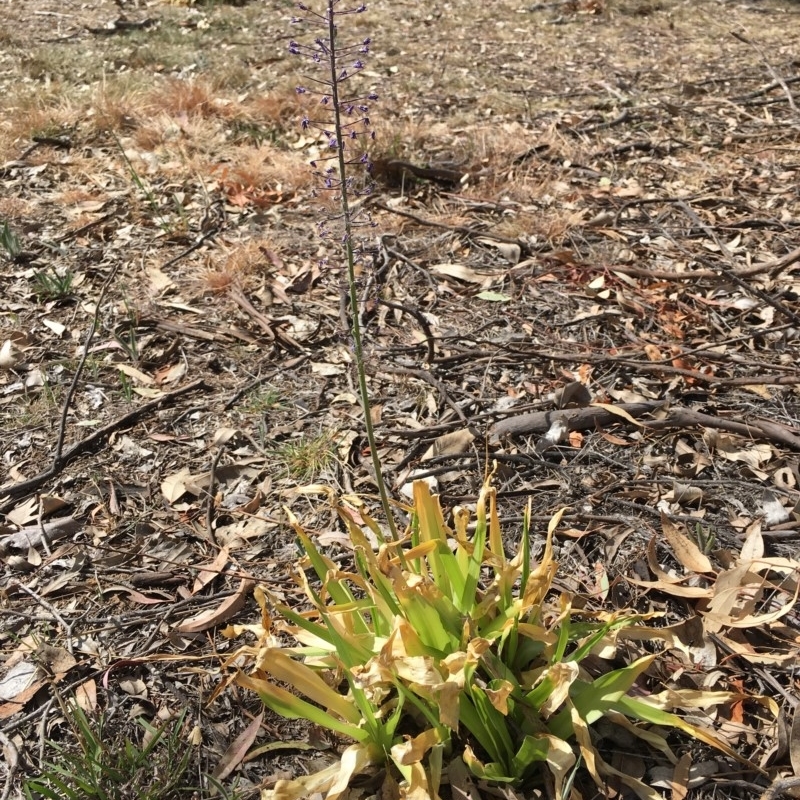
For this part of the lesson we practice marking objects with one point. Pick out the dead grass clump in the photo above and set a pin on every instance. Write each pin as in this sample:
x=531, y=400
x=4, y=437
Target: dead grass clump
x=288, y=170
x=116, y=113
x=282, y=107
x=151, y=135
x=72, y=197
x=49, y=115
x=237, y=266
x=183, y=136
x=217, y=280
x=177, y=97
x=553, y=224
x=261, y=176
x=15, y=208
x=249, y=259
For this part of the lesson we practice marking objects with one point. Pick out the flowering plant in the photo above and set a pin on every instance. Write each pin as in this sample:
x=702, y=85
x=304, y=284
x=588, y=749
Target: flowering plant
x=437, y=656
x=344, y=123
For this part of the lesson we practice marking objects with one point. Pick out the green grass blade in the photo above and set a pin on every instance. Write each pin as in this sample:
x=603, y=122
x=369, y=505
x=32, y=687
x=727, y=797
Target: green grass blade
x=495, y=725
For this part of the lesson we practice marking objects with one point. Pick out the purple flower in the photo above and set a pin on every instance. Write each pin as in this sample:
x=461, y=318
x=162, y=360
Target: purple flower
x=345, y=119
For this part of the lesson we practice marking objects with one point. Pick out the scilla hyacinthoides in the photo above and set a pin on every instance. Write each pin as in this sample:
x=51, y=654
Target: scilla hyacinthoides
x=342, y=120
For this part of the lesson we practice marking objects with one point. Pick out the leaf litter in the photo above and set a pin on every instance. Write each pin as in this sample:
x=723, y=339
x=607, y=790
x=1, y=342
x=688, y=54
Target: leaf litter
x=624, y=220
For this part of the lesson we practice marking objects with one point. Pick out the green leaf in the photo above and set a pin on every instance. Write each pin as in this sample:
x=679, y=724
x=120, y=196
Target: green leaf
x=493, y=297
x=593, y=638
x=475, y=559
x=303, y=678
x=491, y=771
x=428, y=612
x=430, y=528
x=638, y=709
x=350, y=650
x=532, y=751
x=592, y=700
x=563, y=633
x=494, y=726
x=291, y=706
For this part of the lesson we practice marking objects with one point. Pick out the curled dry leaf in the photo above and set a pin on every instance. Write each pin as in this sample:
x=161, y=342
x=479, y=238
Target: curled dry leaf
x=510, y=252
x=222, y=613
x=686, y=551
x=8, y=358
x=450, y=444
x=684, y=494
x=212, y=571
x=794, y=743
x=234, y=755
x=174, y=486
x=620, y=412
x=572, y=395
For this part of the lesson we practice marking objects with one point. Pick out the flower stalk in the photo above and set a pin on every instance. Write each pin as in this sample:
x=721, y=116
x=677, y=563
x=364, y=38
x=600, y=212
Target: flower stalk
x=327, y=52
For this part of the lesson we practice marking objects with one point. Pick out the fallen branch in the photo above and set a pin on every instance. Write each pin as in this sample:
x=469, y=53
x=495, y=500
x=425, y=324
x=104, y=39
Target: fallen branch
x=771, y=267
x=581, y=419
x=753, y=429
x=466, y=230
x=778, y=79
x=62, y=427
x=730, y=272
x=576, y=419
x=31, y=536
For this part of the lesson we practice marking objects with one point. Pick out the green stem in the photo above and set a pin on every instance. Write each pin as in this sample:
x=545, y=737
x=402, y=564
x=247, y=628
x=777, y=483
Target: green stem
x=351, y=280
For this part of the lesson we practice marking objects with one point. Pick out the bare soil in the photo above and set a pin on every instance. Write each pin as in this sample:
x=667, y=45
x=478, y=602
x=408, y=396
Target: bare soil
x=577, y=203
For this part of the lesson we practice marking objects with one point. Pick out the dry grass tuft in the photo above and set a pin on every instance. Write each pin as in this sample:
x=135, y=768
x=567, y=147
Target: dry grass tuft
x=15, y=208
x=237, y=266
x=261, y=176
x=112, y=111
x=182, y=98
x=249, y=259
x=282, y=107
x=218, y=280
x=31, y=115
